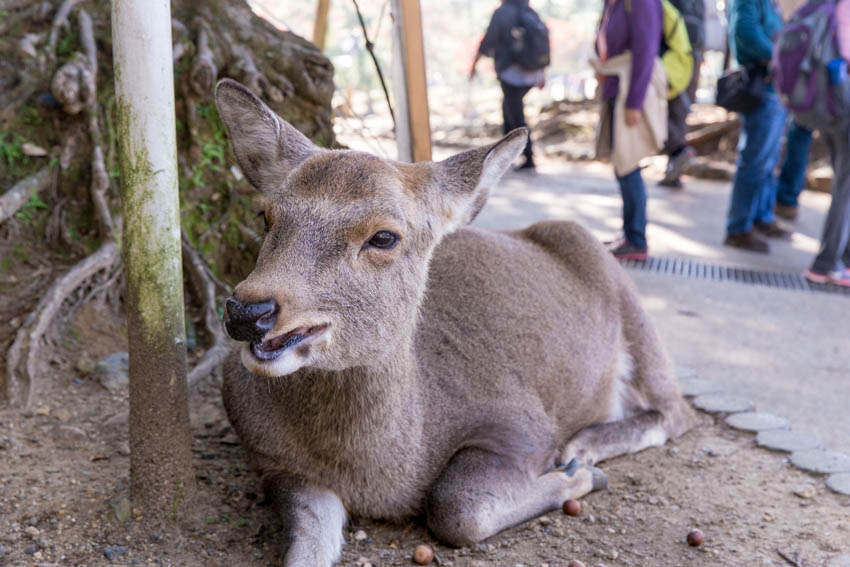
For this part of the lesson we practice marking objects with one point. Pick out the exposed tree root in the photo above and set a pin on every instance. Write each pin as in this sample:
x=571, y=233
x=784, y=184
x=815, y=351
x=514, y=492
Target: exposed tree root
x=708, y=136
x=205, y=288
x=204, y=70
x=99, y=177
x=87, y=40
x=12, y=200
x=60, y=20
x=252, y=77
x=71, y=83
x=25, y=362
x=75, y=85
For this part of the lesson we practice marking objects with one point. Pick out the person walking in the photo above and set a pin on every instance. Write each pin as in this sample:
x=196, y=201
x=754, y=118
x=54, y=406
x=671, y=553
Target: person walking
x=792, y=176
x=753, y=25
x=633, y=121
x=516, y=80
x=677, y=149
x=832, y=263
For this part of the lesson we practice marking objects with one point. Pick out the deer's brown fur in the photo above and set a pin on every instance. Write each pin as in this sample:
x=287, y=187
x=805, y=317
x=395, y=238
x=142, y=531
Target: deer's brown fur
x=459, y=371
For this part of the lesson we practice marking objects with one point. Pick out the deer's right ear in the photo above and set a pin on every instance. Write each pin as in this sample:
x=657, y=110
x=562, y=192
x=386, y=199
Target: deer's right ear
x=267, y=147
x=465, y=180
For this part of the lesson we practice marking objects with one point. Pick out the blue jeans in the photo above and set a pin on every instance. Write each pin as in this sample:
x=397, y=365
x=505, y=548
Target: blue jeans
x=754, y=186
x=798, y=141
x=634, y=207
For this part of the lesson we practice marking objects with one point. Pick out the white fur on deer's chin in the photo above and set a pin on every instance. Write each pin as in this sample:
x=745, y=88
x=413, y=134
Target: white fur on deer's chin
x=288, y=362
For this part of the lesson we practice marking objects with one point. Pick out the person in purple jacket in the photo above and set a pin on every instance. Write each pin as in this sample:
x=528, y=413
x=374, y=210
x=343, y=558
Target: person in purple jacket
x=636, y=28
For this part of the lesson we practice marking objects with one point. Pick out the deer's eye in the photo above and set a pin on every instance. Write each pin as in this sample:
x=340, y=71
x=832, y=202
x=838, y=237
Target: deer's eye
x=384, y=240
x=265, y=219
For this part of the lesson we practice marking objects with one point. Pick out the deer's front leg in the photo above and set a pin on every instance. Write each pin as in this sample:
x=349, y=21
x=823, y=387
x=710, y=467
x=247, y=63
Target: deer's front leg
x=313, y=519
x=480, y=494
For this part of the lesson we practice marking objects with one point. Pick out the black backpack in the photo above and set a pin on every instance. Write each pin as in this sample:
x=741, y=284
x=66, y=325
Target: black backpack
x=693, y=12
x=530, y=40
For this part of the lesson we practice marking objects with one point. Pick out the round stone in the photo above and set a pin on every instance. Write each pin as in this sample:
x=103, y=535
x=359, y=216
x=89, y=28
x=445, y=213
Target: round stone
x=756, y=421
x=722, y=403
x=840, y=483
x=785, y=440
x=842, y=560
x=697, y=386
x=820, y=461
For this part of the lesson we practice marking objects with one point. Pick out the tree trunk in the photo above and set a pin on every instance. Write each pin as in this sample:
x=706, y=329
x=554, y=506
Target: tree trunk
x=161, y=474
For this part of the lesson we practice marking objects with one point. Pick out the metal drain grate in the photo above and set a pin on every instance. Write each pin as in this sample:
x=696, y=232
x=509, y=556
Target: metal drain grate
x=702, y=271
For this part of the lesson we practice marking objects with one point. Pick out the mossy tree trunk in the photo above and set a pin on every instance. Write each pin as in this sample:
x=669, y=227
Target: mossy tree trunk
x=161, y=474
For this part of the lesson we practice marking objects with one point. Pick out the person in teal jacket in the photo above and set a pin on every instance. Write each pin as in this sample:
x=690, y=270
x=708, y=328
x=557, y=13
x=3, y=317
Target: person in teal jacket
x=753, y=25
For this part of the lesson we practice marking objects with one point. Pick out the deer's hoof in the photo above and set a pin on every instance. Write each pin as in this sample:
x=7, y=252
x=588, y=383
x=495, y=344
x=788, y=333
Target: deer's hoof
x=600, y=479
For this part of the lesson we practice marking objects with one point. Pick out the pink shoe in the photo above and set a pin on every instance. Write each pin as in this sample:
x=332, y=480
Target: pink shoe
x=835, y=278
x=625, y=250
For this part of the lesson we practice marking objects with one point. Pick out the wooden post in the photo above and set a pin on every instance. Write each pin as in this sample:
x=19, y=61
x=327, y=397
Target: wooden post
x=413, y=127
x=161, y=475
x=320, y=27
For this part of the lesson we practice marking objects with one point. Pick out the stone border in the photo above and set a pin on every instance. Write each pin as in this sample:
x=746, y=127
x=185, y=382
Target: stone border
x=773, y=433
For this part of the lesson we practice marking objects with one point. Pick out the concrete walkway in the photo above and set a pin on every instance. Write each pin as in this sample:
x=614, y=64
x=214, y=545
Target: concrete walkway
x=682, y=224
x=788, y=351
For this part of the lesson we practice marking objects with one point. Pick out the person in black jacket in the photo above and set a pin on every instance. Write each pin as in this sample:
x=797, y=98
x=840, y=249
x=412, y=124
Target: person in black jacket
x=515, y=80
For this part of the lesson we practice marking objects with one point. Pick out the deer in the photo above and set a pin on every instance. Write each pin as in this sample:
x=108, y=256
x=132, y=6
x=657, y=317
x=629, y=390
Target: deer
x=393, y=362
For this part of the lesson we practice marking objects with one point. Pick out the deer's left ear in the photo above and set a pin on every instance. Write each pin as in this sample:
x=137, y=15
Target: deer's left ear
x=267, y=147
x=464, y=181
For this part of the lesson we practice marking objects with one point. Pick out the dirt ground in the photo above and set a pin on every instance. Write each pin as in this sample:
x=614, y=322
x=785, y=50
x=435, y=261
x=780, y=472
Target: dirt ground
x=64, y=472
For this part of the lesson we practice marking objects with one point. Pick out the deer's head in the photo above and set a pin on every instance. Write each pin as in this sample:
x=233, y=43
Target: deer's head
x=344, y=263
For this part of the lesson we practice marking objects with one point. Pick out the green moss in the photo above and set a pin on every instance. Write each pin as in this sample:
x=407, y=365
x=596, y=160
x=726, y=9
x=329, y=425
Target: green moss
x=210, y=115
x=30, y=116
x=154, y=277
x=28, y=212
x=180, y=67
x=14, y=164
x=67, y=45
x=112, y=166
x=11, y=151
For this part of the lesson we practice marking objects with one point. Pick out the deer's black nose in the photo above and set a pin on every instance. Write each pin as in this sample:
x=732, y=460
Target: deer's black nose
x=249, y=321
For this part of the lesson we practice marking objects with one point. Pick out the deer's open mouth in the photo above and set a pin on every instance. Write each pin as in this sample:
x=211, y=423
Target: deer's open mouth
x=274, y=347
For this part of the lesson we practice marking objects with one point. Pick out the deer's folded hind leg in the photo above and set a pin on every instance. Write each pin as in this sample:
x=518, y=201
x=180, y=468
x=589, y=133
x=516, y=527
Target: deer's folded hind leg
x=606, y=440
x=479, y=494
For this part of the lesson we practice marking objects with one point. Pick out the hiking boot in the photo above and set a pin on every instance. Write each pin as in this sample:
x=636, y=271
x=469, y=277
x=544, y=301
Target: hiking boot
x=773, y=229
x=786, y=212
x=841, y=278
x=747, y=241
x=674, y=184
x=625, y=250
x=676, y=166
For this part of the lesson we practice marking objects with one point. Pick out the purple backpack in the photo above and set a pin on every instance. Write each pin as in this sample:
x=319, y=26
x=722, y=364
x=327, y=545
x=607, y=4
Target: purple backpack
x=806, y=48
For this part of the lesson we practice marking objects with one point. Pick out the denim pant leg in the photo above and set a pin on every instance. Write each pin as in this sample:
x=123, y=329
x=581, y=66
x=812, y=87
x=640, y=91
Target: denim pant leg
x=835, y=242
x=798, y=142
x=513, y=110
x=754, y=185
x=634, y=207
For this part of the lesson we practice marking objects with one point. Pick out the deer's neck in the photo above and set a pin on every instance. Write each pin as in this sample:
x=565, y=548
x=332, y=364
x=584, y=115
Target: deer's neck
x=351, y=409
